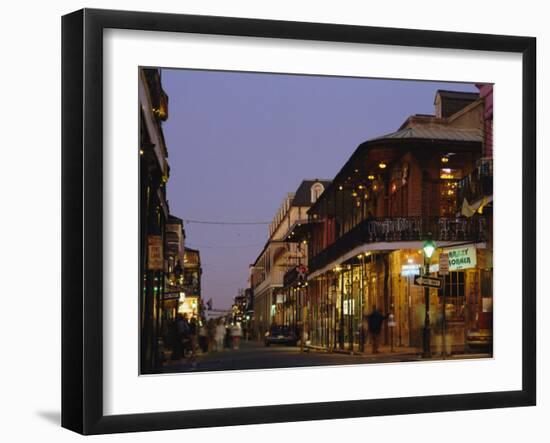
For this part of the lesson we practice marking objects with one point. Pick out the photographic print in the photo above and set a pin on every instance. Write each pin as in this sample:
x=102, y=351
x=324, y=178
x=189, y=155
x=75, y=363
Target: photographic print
x=293, y=203
x=298, y=220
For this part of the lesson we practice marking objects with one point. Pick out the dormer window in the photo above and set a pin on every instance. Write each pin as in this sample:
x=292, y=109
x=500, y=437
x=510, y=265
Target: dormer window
x=316, y=191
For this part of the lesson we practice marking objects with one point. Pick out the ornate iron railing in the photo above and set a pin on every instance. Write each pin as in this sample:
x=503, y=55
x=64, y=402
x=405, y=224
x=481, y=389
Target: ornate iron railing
x=399, y=229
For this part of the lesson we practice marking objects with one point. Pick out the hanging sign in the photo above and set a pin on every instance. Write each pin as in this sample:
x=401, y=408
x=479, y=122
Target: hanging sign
x=464, y=257
x=155, y=257
x=410, y=269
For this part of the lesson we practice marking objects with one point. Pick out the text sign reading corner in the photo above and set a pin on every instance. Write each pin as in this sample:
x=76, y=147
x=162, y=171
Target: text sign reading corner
x=462, y=258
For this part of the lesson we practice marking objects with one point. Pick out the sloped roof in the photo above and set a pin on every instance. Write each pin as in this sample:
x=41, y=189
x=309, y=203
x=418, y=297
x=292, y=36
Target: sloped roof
x=434, y=133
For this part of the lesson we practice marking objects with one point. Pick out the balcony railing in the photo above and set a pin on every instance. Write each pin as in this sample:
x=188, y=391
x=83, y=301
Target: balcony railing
x=400, y=229
x=478, y=184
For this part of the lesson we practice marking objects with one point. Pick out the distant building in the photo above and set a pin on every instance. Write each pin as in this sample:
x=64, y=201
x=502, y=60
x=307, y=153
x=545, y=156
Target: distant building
x=174, y=262
x=278, y=256
x=190, y=302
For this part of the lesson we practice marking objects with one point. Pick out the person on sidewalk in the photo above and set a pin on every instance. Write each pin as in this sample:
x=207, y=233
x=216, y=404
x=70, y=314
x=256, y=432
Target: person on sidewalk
x=236, y=333
x=183, y=334
x=211, y=335
x=220, y=335
x=375, y=320
x=203, y=338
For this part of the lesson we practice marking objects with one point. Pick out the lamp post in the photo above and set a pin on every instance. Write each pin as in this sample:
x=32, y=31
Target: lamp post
x=349, y=304
x=331, y=314
x=428, y=248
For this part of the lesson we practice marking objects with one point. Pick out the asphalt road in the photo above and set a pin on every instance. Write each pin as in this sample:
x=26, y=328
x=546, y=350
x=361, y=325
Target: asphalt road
x=254, y=355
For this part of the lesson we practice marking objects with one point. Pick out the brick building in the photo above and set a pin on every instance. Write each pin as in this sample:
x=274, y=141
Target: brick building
x=366, y=231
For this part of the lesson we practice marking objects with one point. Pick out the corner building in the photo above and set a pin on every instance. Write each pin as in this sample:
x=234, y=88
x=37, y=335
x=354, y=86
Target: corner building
x=365, y=235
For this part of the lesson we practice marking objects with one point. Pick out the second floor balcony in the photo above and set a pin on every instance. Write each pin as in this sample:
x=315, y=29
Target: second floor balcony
x=403, y=229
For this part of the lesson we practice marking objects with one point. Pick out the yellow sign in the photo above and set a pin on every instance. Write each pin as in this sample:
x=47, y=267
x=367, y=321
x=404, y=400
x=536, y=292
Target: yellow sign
x=464, y=257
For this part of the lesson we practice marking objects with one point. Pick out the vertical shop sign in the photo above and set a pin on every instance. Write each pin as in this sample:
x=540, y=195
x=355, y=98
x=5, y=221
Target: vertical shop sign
x=155, y=257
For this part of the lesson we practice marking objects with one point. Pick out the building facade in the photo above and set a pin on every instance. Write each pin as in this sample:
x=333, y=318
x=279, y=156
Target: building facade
x=190, y=302
x=173, y=267
x=365, y=235
x=272, y=302
x=154, y=212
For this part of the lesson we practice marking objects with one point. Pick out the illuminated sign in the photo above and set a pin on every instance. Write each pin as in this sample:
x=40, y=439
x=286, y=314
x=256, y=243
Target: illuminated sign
x=410, y=269
x=464, y=257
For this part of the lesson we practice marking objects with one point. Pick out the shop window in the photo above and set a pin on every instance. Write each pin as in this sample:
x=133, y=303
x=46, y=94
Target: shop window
x=448, y=200
x=455, y=291
x=454, y=284
x=450, y=174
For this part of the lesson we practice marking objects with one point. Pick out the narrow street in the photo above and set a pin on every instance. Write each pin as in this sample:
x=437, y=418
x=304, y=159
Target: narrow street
x=254, y=355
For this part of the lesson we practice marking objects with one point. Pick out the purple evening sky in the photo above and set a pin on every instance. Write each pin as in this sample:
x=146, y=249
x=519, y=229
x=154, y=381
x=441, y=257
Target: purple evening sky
x=238, y=142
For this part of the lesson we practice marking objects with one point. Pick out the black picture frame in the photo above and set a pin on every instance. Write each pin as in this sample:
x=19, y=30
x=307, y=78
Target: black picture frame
x=82, y=217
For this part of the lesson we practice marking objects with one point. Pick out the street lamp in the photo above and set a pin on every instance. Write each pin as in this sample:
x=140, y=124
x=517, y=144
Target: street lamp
x=428, y=248
x=349, y=303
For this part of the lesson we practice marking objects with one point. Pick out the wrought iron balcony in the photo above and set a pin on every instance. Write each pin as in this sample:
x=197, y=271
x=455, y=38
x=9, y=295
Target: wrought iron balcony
x=401, y=229
x=478, y=184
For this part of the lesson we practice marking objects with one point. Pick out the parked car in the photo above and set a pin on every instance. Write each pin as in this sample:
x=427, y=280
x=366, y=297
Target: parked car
x=280, y=335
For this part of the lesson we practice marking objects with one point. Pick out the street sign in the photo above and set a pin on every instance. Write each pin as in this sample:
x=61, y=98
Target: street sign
x=431, y=282
x=443, y=263
x=171, y=296
x=464, y=257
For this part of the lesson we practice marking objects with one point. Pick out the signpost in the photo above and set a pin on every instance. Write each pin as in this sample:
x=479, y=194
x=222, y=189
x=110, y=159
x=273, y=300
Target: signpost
x=391, y=325
x=443, y=263
x=444, y=271
x=430, y=282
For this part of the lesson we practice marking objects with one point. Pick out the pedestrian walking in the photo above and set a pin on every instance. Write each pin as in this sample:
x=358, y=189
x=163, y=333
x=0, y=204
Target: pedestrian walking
x=203, y=338
x=375, y=320
x=211, y=334
x=174, y=339
x=182, y=336
x=227, y=341
x=193, y=342
x=236, y=333
x=220, y=335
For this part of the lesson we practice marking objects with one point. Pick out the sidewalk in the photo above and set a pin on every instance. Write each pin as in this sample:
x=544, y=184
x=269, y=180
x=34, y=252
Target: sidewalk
x=383, y=350
x=399, y=353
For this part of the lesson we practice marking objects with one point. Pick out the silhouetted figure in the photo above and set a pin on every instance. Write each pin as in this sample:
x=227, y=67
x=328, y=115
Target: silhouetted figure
x=375, y=320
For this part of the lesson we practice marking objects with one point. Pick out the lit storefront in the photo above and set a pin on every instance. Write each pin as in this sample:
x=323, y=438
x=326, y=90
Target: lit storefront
x=190, y=298
x=188, y=305
x=339, y=300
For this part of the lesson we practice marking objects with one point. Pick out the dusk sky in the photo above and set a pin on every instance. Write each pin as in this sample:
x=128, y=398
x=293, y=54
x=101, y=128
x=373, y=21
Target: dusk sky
x=239, y=142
